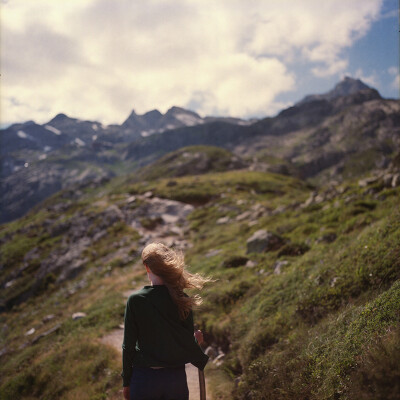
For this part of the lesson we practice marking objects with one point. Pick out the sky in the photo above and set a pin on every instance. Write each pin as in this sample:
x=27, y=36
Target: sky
x=100, y=59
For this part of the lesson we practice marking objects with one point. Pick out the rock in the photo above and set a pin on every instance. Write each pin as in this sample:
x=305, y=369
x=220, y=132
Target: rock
x=278, y=265
x=44, y=334
x=78, y=315
x=263, y=241
x=48, y=318
x=30, y=332
x=333, y=281
x=310, y=200
x=99, y=235
x=130, y=199
x=223, y=220
x=219, y=360
x=211, y=352
x=367, y=181
x=387, y=180
x=243, y=216
x=148, y=195
x=278, y=210
x=213, y=253
x=250, y=264
x=9, y=283
x=396, y=180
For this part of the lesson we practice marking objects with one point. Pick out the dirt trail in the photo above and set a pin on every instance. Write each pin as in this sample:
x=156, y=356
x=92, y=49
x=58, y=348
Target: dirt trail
x=115, y=338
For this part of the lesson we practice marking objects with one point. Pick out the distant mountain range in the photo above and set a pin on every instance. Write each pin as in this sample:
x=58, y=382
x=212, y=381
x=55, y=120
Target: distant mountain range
x=346, y=131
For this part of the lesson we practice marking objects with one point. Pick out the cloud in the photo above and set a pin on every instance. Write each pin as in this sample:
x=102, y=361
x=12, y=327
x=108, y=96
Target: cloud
x=372, y=79
x=394, y=72
x=98, y=59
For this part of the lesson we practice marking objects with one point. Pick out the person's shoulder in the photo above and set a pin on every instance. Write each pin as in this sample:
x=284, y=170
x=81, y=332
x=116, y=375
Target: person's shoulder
x=139, y=295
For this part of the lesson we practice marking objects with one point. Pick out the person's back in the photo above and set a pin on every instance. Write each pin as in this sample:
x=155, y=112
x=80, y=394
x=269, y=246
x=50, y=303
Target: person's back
x=159, y=334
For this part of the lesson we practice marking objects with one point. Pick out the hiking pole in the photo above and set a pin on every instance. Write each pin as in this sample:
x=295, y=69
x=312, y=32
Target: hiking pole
x=202, y=383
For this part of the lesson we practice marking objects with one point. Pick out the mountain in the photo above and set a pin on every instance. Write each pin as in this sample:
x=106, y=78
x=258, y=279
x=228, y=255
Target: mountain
x=304, y=302
x=343, y=133
x=336, y=135
x=348, y=86
x=154, y=122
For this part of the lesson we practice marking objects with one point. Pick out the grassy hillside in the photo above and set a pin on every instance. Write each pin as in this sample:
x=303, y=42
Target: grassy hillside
x=316, y=318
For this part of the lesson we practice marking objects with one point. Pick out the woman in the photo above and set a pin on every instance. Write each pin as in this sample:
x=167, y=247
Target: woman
x=159, y=336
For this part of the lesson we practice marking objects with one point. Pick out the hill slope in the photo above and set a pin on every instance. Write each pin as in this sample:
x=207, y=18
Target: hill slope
x=296, y=312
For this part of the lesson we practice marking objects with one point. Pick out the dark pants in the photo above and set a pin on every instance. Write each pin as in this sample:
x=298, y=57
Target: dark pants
x=159, y=384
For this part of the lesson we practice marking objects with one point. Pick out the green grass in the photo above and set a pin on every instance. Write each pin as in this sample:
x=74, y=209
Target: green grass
x=324, y=328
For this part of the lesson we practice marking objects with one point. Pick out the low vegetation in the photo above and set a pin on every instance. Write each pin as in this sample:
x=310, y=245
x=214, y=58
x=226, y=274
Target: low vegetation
x=315, y=318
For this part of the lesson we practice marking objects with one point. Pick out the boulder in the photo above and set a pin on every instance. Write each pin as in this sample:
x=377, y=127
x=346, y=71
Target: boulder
x=263, y=241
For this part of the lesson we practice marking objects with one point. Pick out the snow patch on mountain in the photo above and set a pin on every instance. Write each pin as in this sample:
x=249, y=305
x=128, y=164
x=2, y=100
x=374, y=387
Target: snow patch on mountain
x=52, y=129
x=23, y=135
x=189, y=120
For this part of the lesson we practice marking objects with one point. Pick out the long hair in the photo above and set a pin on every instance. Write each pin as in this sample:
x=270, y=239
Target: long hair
x=169, y=265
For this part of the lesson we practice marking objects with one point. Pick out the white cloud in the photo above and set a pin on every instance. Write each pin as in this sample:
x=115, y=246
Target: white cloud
x=98, y=59
x=372, y=79
x=394, y=71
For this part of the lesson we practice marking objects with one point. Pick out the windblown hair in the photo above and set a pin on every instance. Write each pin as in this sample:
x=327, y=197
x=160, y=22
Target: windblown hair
x=169, y=265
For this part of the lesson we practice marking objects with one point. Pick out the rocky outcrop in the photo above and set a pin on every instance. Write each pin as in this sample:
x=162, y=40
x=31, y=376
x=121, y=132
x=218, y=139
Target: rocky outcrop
x=262, y=241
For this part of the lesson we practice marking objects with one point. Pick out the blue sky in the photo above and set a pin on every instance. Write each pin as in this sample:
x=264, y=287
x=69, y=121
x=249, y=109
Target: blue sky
x=99, y=59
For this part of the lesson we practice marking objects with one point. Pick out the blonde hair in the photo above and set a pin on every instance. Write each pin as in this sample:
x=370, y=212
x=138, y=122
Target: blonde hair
x=169, y=265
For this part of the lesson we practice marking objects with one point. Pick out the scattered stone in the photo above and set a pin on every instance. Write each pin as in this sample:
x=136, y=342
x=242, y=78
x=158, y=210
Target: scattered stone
x=278, y=265
x=387, y=180
x=245, y=215
x=396, y=180
x=30, y=332
x=250, y=264
x=213, y=253
x=263, y=241
x=223, y=220
x=48, y=318
x=211, y=352
x=148, y=195
x=333, y=281
x=310, y=200
x=44, y=334
x=99, y=235
x=219, y=360
x=367, y=181
x=130, y=199
x=78, y=315
x=9, y=283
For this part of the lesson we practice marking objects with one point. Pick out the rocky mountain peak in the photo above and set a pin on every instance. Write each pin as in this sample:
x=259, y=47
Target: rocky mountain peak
x=152, y=117
x=346, y=87
x=60, y=118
